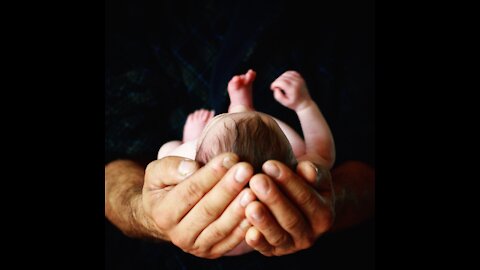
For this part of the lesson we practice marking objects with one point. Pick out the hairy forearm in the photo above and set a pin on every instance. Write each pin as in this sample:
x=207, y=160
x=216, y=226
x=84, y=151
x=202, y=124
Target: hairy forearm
x=123, y=199
x=318, y=137
x=354, y=184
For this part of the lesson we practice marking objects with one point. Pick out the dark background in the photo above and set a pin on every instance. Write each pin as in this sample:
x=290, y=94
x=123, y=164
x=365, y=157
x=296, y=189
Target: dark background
x=164, y=59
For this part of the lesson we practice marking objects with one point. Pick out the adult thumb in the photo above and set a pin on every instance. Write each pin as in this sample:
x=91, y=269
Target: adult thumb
x=169, y=171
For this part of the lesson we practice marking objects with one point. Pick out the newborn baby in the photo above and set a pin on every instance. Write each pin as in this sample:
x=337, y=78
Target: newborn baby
x=257, y=137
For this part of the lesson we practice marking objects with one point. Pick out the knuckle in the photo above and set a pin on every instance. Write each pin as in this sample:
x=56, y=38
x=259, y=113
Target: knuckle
x=208, y=211
x=193, y=190
x=281, y=240
x=217, y=233
x=293, y=224
x=305, y=197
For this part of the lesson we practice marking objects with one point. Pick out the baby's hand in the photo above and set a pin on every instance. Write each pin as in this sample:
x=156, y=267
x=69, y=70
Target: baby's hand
x=291, y=90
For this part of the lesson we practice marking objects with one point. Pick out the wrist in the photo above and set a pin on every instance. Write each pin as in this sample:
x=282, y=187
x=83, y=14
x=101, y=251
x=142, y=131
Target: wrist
x=307, y=103
x=146, y=224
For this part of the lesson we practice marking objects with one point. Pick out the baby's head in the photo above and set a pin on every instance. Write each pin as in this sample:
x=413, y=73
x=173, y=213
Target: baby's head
x=255, y=137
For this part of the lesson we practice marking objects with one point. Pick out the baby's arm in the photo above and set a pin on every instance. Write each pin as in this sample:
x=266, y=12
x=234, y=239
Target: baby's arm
x=292, y=92
x=297, y=143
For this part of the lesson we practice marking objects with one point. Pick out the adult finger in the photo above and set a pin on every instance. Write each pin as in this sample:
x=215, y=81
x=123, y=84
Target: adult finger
x=286, y=215
x=231, y=241
x=178, y=201
x=255, y=239
x=308, y=171
x=317, y=209
x=227, y=222
x=213, y=204
x=317, y=176
x=260, y=218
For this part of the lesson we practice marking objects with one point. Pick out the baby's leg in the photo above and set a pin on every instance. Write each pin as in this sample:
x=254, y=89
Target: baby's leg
x=194, y=125
x=167, y=148
x=297, y=143
x=240, y=92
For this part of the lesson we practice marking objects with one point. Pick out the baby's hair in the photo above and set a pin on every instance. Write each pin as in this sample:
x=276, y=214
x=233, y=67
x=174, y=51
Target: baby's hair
x=252, y=139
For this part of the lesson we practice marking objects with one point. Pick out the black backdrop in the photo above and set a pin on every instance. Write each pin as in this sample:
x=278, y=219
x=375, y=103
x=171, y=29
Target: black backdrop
x=164, y=59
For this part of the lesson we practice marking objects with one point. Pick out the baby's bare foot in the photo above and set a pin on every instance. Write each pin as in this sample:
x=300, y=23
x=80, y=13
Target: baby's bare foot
x=240, y=91
x=195, y=123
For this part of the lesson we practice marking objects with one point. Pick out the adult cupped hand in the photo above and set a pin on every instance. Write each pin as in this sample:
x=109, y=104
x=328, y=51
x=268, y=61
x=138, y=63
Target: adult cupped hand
x=293, y=210
x=200, y=210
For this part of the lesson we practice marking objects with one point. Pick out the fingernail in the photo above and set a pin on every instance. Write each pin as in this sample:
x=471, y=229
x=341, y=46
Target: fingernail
x=314, y=167
x=257, y=215
x=244, y=225
x=187, y=167
x=246, y=199
x=271, y=169
x=260, y=185
x=241, y=174
x=228, y=162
